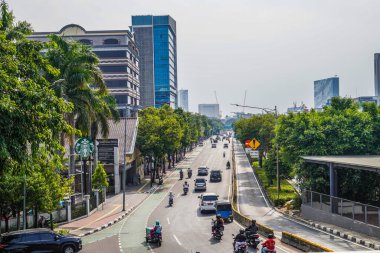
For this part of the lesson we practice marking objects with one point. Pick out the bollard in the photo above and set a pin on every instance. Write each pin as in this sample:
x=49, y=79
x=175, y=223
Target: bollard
x=96, y=191
x=68, y=209
x=87, y=199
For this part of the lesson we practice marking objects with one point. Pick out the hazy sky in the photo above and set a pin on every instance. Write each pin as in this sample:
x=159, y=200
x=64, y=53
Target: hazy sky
x=274, y=49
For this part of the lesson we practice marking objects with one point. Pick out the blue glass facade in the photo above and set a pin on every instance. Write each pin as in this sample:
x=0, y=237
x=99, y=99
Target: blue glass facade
x=324, y=90
x=164, y=59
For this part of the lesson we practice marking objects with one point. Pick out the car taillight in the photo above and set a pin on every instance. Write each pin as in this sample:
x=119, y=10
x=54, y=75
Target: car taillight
x=2, y=246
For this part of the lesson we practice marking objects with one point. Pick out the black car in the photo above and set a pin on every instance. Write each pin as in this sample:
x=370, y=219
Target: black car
x=202, y=171
x=38, y=240
x=215, y=176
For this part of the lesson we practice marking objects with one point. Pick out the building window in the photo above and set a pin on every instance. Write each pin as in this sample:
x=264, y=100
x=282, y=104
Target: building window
x=121, y=99
x=86, y=42
x=111, y=42
x=111, y=54
x=114, y=69
x=117, y=83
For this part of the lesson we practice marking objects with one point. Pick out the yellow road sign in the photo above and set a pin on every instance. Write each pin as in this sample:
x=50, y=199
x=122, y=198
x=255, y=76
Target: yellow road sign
x=254, y=144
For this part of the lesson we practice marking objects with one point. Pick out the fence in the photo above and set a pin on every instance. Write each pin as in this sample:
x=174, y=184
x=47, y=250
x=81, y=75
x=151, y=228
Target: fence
x=347, y=208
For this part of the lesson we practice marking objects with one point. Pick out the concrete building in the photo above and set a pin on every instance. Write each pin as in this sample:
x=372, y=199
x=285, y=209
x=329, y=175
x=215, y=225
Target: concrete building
x=363, y=99
x=298, y=108
x=377, y=74
x=324, y=90
x=119, y=60
x=184, y=100
x=209, y=110
x=156, y=39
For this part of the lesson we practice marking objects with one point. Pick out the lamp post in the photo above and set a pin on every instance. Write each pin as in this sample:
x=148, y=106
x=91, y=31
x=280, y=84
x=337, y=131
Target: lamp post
x=124, y=155
x=268, y=110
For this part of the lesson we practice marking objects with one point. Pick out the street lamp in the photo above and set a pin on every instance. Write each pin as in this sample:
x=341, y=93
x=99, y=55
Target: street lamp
x=268, y=110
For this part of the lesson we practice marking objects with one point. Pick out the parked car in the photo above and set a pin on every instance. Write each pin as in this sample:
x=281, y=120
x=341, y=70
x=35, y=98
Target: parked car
x=38, y=240
x=208, y=202
x=202, y=171
x=200, y=184
x=215, y=176
x=213, y=145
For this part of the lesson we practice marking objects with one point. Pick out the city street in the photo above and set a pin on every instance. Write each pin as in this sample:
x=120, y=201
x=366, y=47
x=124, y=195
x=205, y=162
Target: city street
x=185, y=229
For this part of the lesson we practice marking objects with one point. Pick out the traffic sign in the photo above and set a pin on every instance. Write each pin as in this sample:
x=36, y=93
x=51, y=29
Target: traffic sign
x=254, y=153
x=254, y=144
x=247, y=143
x=84, y=147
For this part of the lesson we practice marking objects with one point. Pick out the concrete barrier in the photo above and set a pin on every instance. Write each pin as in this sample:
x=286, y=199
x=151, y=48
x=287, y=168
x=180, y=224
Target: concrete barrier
x=302, y=244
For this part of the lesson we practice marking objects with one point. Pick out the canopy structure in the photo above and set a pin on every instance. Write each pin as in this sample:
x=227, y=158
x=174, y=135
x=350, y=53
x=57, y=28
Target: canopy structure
x=359, y=162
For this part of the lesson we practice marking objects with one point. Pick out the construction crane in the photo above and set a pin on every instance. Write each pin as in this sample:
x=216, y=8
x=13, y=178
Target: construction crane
x=216, y=97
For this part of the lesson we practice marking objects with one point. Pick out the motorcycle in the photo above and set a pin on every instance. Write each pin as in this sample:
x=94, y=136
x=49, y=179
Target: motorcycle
x=252, y=239
x=189, y=174
x=185, y=190
x=154, y=238
x=224, y=154
x=170, y=202
x=228, y=167
x=181, y=175
x=242, y=248
x=160, y=180
x=217, y=232
x=268, y=251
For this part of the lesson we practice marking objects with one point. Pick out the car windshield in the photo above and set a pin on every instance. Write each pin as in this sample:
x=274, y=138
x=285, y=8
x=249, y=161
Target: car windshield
x=215, y=173
x=10, y=239
x=210, y=198
x=199, y=180
x=224, y=207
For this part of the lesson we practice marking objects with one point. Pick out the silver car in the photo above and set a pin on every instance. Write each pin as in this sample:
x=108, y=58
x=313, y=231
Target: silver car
x=200, y=184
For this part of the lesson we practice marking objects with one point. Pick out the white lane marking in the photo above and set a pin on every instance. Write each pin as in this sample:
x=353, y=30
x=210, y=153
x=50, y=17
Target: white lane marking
x=168, y=220
x=179, y=243
x=229, y=190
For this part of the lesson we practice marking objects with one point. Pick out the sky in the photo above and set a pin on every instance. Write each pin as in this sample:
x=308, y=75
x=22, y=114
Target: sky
x=272, y=49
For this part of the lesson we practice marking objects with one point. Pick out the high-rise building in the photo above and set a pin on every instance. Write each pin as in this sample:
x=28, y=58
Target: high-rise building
x=324, y=90
x=377, y=75
x=119, y=60
x=184, y=100
x=156, y=40
x=209, y=110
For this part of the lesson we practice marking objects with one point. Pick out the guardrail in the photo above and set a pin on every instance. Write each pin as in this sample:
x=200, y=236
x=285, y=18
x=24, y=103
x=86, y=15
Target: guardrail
x=286, y=237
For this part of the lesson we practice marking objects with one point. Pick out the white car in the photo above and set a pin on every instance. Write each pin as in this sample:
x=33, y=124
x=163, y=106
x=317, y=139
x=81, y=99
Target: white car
x=208, y=202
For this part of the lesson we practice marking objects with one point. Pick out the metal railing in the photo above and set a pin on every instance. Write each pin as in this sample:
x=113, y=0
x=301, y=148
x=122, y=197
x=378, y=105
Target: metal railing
x=347, y=208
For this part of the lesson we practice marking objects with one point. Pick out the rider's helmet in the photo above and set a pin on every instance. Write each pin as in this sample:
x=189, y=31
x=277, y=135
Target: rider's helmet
x=185, y=182
x=253, y=221
x=157, y=222
x=241, y=231
x=218, y=216
x=270, y=236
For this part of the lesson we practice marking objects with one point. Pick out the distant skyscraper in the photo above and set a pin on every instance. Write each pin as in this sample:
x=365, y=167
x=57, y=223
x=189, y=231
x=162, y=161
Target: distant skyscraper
x=377, y=75
x=184, y=100
x=209, y=110
x=156, y=40
x=324, y=90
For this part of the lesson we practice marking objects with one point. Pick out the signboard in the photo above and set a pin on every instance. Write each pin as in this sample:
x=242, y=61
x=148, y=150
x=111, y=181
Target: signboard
x=254, y=153
x=246, y=143
x=84, y=147
x=254, y=144
x=106, y=153
x=247, y=150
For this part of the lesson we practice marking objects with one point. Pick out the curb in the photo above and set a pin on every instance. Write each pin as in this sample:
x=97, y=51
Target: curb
x=109, y=223
x=343, y=235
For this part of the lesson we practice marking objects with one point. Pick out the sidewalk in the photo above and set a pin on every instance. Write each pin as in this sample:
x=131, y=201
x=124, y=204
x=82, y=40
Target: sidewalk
x=111, y=211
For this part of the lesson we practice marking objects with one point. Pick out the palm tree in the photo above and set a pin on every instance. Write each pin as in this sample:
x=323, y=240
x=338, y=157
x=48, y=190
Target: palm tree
x=79, y=70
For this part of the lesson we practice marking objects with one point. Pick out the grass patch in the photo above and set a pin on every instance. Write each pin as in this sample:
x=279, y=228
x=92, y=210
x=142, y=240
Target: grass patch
x=287, y=191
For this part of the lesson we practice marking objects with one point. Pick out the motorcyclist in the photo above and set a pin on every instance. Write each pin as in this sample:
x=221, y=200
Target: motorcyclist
x=252, y=229
x=185, y=186
x=239, y=239
x=189, y=172
x=171, y=197
x=269, y=244
x=218, y=223
x=181, y=173
x=228, y=164
x=224, y=153
x=156, y=229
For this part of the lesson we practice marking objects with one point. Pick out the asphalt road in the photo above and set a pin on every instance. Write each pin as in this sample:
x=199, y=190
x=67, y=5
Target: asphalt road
x=185, y=229
x=253, y=204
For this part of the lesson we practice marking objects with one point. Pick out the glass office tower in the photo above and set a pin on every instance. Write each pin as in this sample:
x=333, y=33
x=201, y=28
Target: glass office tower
x=324, y=90
x=155, y=37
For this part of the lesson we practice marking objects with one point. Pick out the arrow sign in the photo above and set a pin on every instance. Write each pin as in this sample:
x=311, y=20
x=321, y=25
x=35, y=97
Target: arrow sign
x=254, y=144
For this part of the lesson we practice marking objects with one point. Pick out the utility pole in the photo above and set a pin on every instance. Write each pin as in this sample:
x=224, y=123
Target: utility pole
x=24, y=206
x=267, y=110
x=124, y=152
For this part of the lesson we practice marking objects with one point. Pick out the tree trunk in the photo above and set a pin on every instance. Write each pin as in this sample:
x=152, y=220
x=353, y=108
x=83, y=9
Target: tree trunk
x=51, y=221
x=6, y=220
x=18, y=221
x=71, y=122
x=169, y=160
x=163, y=165
x=35, y=217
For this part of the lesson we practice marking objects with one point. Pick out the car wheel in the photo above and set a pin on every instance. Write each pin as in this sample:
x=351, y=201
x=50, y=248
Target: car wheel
x=68, y=249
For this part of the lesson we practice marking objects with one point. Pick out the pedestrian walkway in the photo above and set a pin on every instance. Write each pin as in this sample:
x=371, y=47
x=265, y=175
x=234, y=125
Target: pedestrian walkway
x=109, y=211
x=252, y=203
